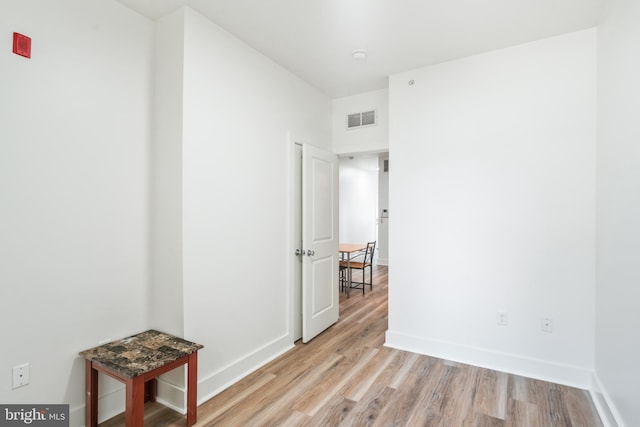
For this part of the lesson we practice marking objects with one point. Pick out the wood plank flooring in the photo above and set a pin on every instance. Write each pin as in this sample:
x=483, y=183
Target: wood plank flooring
x=345, y=377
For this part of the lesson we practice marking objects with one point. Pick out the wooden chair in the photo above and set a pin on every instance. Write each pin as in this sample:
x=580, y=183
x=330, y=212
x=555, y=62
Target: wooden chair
x=342, y=276
x=366, y=262
x=342, y=273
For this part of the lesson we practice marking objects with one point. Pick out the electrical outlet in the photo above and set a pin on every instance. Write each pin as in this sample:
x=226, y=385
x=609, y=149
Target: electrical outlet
x=502, y=318
x=20, y=375
x=546, y=325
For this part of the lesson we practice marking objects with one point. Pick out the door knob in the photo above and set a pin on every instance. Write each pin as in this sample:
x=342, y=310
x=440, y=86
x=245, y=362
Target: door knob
x=310, y=252
x=299, y=252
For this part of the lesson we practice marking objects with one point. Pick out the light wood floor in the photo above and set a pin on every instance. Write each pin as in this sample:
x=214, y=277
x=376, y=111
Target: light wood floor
x=345, y=377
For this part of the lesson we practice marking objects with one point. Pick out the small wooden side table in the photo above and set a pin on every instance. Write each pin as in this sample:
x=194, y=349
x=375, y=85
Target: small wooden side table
x=137, y=361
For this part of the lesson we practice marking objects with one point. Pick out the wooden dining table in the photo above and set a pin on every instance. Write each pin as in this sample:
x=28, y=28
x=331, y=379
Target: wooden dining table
x=346, y=249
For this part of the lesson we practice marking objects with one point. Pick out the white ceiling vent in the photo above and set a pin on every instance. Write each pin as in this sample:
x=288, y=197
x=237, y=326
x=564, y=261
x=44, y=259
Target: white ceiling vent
x=357, y=120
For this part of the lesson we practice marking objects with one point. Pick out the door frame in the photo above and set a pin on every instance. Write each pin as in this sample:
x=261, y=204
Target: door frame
x=296, y=242
x=295, y=295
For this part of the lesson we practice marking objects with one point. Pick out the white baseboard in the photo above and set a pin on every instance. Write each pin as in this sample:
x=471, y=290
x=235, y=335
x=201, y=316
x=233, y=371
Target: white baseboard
x=174, y=396
x=606, y=409
x=214, y=383
x=514, y=364
x=76, y=416
x=109, y=405
x=113, y=403
x=382, y=261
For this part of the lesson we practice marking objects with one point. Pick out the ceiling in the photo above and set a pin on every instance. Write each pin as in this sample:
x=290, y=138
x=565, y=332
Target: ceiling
x=363, y=161
x=315, y=39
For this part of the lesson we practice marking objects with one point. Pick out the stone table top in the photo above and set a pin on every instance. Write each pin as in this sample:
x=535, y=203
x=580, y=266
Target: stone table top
x=140, y=353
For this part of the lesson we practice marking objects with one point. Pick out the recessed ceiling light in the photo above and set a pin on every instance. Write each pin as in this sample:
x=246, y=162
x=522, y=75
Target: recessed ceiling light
x=359, y=55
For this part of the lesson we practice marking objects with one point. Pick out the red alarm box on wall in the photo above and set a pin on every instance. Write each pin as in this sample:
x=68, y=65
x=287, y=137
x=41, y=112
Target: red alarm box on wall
x=22, y=45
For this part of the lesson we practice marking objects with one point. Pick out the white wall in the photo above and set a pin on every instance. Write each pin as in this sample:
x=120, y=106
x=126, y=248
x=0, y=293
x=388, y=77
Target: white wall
x=617, y=346
x=365, y=139
x=239, y=110
x=358, y=199
x=492, y=196
x=166, y=303
x=166, y=306
x=74, y=140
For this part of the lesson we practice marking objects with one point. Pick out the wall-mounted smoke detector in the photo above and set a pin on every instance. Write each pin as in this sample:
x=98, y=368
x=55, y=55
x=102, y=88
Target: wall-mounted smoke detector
x=358, y=120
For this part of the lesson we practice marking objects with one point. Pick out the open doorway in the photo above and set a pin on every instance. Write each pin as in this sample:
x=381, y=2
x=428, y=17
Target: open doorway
x=364, y=183
x=364, y=201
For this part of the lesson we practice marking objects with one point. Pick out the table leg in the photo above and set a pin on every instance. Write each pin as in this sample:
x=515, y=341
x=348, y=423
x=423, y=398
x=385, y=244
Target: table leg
x=348, y=274
x=192, y=389
x=134, y=416
x=91, y=398
x=150, y=390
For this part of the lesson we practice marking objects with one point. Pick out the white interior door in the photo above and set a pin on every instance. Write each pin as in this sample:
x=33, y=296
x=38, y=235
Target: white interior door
x=320, y=298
